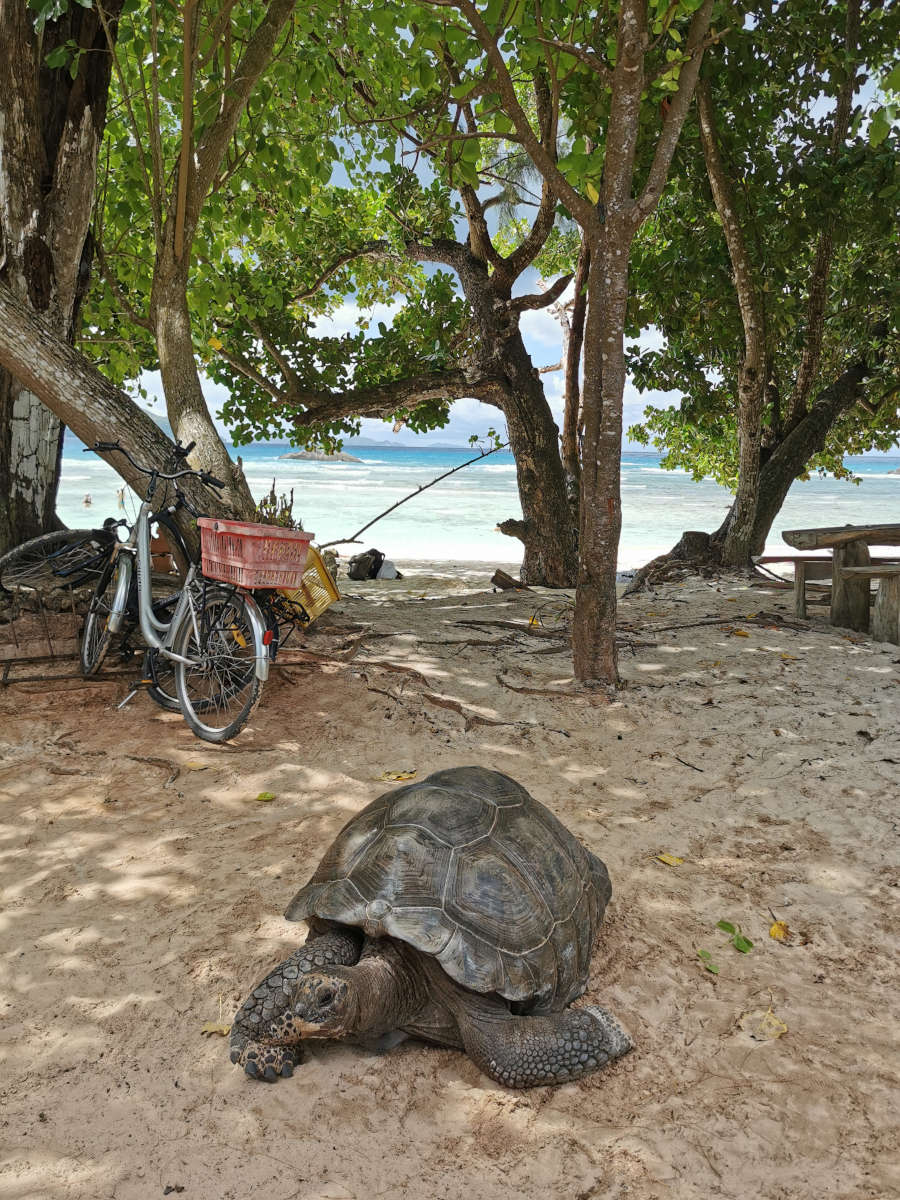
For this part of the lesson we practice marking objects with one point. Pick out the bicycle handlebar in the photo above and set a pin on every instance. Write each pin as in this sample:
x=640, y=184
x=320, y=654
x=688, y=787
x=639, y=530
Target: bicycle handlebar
x=180, y=452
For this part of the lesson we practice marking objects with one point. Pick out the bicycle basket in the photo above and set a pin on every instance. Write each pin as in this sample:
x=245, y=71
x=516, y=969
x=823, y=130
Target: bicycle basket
x=317, y=589
x=252, y=555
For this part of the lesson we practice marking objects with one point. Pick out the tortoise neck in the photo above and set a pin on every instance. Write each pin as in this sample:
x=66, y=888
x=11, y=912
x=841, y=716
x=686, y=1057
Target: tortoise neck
x=389, y=989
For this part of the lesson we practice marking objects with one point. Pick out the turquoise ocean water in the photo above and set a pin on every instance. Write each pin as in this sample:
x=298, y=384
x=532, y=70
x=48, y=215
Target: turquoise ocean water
x=456, y=519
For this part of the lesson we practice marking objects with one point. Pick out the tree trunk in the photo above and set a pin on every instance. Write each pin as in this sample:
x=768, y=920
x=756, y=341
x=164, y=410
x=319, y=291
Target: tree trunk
x=50, y=131
x=75, y=391
x=546, y=530
x=737, y=534
x=594, y=630
x=572, y=422
x=806, y=439
x=187, y=409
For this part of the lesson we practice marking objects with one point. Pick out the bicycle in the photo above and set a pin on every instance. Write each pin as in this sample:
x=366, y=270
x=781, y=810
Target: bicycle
x=64, y=558
x=215, y=638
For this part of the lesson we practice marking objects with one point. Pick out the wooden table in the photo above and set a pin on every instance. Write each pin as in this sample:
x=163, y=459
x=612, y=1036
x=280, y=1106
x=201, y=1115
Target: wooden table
x=852, y=569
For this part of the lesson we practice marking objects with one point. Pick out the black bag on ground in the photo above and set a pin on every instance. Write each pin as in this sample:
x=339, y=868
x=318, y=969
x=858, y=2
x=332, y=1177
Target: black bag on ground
x=365, y=566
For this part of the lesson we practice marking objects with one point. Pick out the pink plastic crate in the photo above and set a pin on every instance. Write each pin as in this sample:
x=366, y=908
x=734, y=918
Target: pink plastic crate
x=251, y=555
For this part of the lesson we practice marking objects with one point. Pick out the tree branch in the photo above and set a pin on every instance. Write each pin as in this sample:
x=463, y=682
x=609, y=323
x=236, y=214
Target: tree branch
x=310, y=407
x=249, y=372
x=593, y=61
x=254, y=60
x=547, y=104
x=541, y=299
x=580, y=208
x=818, y=283
x=676, y=115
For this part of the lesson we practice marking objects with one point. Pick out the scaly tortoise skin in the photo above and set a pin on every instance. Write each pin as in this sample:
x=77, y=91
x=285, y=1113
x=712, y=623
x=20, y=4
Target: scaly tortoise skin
x=458, y=910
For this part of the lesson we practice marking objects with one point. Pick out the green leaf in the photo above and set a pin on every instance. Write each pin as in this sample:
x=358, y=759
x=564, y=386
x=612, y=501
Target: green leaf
x=59, y=57
x=726, y=926
x=742, y=943
x=879, y=128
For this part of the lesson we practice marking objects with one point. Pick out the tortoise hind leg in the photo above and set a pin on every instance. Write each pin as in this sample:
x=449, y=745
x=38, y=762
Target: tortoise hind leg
x=522, y=1052
x=270, y=998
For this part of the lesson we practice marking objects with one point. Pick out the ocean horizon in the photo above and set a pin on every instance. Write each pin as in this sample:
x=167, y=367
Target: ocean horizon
x=455, y=521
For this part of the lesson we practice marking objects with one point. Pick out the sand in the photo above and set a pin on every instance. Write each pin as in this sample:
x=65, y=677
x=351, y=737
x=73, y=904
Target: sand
x=143, y=885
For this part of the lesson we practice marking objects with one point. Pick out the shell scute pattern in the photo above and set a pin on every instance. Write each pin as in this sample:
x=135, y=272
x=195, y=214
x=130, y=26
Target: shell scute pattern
x=449, y=817
x=465, y=865
x=493, y=899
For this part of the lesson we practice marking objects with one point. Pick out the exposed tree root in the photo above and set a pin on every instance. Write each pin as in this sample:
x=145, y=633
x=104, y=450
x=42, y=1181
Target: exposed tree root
x=694, y=554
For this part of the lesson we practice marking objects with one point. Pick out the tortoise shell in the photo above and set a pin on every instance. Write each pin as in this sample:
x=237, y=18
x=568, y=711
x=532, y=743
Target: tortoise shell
x=468, y=867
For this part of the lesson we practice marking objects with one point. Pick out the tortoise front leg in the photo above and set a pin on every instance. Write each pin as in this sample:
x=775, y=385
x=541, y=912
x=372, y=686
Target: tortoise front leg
x=522, y=1052
x=262, y=1038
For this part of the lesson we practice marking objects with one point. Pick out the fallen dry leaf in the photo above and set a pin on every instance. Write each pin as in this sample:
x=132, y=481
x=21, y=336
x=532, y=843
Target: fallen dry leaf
x=671, y=860
x=396, y=776
x=194, y=765
x=762, y=1025
x=216, y=1027
x=739, y=633
x=780, y=931
x=265, y=797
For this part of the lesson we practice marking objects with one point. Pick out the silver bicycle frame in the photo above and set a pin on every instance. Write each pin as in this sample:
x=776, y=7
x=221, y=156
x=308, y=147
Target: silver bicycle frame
x=156, y=633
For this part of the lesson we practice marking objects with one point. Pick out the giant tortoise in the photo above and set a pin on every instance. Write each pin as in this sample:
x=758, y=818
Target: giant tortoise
x=457, y=910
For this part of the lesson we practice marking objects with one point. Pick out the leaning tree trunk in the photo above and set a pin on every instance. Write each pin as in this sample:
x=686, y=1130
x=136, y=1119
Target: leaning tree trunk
x=807, y=438
x=186, y=405
x=786, y=461
x=75, y=391
x=51, y=125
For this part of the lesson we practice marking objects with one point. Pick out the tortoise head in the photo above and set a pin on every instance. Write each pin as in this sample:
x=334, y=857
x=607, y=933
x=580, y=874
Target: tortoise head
x=325, y=1004
x=286, y=1008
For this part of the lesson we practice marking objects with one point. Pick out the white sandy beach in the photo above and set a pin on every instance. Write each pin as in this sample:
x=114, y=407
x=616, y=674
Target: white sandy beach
x=143, y=885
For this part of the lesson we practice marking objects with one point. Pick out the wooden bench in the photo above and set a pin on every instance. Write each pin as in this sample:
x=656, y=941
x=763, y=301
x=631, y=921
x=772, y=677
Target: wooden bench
x=849, y=546
x=806, y=567
x=886, y=613
x=812, y=567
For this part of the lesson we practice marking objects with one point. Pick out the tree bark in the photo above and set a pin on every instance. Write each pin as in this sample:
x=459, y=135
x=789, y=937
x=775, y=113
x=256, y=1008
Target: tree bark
x=593, y=634
x=574, y=343
x=51, y=125
x=546, y=530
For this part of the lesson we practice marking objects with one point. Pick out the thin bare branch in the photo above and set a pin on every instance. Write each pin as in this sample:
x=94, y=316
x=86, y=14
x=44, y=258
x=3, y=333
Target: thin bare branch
x=596, y=64
x=581, y=208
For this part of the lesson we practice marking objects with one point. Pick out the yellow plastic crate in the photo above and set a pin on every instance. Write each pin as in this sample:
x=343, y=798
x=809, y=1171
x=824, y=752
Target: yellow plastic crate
x=317, y=589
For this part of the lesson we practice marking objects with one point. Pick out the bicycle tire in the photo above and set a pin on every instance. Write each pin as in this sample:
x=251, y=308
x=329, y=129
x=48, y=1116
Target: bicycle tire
x=96, y=636
x=218, y=694
x=63, y=558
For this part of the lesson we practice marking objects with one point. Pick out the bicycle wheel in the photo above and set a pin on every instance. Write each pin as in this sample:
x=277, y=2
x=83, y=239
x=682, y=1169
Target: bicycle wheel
x=64, y=558
x=97, y=636
x=219, y=690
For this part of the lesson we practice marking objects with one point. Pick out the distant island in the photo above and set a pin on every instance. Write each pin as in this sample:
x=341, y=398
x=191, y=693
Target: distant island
x=321, y=456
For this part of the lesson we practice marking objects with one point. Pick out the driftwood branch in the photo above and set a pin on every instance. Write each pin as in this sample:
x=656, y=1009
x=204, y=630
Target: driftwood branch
x=355, y=536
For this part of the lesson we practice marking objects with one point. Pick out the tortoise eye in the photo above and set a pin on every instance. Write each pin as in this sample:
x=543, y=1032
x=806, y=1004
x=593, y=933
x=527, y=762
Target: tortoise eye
x=324, y=997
